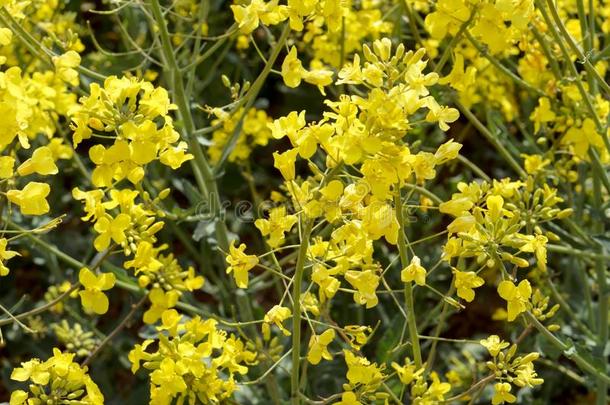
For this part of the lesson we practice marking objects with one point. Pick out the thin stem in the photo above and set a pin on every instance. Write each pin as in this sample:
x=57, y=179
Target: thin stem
x=600, y=271
x=250, y=97
x=296, y=313
x=496, y=63
x=491, y=139
x=408, y=290
x=591, y=71
x=36, y=48
x=115, y=331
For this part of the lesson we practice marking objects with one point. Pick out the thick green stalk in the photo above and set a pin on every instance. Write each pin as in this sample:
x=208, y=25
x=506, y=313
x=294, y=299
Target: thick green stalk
x=201, y=167
x=567, y=350
x=296, y=313
x=602, y=306
x=408, y=290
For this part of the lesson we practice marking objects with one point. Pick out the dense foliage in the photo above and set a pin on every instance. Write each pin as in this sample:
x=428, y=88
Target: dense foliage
x=304, y=201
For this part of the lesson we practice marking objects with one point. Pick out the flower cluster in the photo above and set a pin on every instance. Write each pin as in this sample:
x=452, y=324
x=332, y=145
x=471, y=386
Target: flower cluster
x=508, y=369
x=56, y=380
x=193, y=360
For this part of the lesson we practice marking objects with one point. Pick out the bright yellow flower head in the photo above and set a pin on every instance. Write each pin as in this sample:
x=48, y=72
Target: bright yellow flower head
x=32, y=199
x=240, y=263
x=494, y=344
x=318, y=346
x=516, y=296
x=111, y=229
x=276, y=315
x=414, y=272
x=292, y=69
x=276, y=226
x=5, y=255
x=92, y=297
x=466, y=282
x=502, y=394
x=41, y=162
x=59, y=377
x=285, y=162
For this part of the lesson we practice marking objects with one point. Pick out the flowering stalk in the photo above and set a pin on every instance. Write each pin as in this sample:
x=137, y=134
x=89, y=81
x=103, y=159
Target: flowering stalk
x=201, y=168
x=600, y=270
x=408, y=290
x=296, y=313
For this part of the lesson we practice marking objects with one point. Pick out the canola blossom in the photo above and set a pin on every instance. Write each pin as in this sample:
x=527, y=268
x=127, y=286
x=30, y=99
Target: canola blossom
x=304, y=202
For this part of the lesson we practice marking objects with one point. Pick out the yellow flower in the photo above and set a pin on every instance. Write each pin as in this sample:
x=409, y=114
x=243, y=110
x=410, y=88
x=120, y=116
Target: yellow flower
x=318, y=349
x=275, y=227
x=248, y=17
x=494, y=344
x=58, y=377
x=516, y=296
x=64, y=66
x=534, y=163
x=41, y=162
x=351, y=73
x=502, y=394
x=5, y=255
x=161, y=301
x=494, y=207
x=347, y=398
x=537, y=245
x=441, y=114
x=437, y=389
x=92, y=298
x=465, y=282
x=458, y=78
x=138, y=353
x=328, y=285
x=292, y=69
x=447, y=151
x=18, y=397
x=408, y=372
x=542, y=114
x=318, y=77
x=448, y=18
x=361, y=371
x=240, y=263
x=366, y=283
x=285, y=162
x=6, y=36
x=32, y=199
x=111, y=229
x=174, y=156
x=414, y=272
x=6, y=166
x=277, y=315
x=582, y=138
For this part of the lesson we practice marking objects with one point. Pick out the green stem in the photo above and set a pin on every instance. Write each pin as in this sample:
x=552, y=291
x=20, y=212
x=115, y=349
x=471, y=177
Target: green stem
x=36, y=47
x=567, y=350
x=491, y=139
x=408, y=290
x=591, y=71
x=296, y=313
x=250, y=98
x=600, y=270
x=496, y=63
x=454, y=40
x=201, y=167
